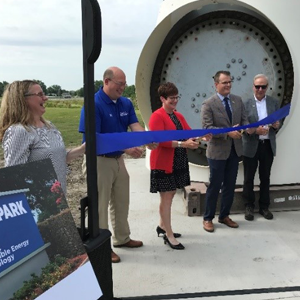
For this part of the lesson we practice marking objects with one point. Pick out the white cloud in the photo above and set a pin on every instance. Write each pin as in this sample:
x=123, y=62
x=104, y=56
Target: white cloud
x=41, y=39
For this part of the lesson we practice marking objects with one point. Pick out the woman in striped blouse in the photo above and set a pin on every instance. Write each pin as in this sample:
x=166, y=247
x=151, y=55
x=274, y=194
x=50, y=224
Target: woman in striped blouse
x=26, y=136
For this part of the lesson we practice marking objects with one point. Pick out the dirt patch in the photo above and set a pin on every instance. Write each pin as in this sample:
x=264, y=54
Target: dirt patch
x=76, y=188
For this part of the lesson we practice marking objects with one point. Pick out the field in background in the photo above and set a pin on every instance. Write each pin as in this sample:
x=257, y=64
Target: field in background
x=66, y=120
x=64, y=114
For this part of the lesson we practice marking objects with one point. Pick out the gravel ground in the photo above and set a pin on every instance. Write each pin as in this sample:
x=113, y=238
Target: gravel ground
x=76, y=188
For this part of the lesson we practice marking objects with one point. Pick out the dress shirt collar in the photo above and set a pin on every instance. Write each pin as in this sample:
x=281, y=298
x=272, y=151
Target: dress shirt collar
x=222, y=97
x=262, y=100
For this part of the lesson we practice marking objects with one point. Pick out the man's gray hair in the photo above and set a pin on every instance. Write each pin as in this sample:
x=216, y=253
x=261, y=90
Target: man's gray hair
x=261, y=76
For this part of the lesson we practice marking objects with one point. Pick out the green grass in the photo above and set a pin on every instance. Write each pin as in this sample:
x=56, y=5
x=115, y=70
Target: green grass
x=66, y=120
x=138, y=114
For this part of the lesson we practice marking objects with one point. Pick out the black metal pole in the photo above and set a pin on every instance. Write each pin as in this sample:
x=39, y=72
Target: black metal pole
x=91, y=41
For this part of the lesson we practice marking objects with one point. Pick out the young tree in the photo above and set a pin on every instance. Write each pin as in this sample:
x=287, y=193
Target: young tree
x=54, y=89
x=2, y=87
x=129, y=92
x=98, y=84
x=80, y=92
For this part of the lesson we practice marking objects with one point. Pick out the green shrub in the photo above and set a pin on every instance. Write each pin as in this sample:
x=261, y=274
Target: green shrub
x=52, y=273
x=65, y=103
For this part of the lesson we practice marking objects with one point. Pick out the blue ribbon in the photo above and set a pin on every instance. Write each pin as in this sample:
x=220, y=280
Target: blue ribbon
x=118, y=141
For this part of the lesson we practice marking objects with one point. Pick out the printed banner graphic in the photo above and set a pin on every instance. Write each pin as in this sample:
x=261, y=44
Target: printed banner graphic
x=111, y=142
x=19, y=233
x=41, y=252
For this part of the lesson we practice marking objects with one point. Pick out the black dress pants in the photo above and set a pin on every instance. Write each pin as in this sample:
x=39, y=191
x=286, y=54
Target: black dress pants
x=263, y=159
x=223, y=175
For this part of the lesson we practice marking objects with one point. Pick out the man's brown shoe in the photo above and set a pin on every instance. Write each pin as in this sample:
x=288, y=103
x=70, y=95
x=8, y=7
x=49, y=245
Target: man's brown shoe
x=131, y=244
x=115, y=258
x=208, y=226
x=227, y=221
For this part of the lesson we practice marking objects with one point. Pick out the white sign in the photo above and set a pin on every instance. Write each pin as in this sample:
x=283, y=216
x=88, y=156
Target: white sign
x=81, y=284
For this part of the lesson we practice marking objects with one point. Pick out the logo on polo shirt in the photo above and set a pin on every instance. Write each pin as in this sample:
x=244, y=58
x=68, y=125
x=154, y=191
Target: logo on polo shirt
x=123, y=114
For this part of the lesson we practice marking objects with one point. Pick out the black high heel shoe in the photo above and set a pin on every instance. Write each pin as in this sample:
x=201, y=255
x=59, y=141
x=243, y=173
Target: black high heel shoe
x=175, y=247
x=159, y=231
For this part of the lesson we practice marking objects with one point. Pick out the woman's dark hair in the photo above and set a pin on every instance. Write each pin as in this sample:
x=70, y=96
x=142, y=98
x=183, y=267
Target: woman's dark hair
x=167, y=89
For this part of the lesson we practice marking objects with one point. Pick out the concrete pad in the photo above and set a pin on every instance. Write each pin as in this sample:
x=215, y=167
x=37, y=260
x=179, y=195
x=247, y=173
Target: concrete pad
x=260, y=254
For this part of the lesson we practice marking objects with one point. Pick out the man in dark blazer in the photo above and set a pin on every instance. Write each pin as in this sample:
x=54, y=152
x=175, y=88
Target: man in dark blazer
x=223, y=151
x=259, y=148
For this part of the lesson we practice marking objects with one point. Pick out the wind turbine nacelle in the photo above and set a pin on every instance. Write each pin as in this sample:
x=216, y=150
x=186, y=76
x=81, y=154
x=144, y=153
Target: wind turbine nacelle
x=194, y=39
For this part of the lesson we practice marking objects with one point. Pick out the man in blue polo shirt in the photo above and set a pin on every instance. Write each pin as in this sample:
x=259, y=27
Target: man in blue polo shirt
x=114, y=113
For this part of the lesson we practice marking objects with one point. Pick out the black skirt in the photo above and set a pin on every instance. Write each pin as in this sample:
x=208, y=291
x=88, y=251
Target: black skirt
x=160, y=181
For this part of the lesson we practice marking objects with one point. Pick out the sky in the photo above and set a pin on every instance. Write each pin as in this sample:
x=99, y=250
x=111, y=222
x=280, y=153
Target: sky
x=42, y=39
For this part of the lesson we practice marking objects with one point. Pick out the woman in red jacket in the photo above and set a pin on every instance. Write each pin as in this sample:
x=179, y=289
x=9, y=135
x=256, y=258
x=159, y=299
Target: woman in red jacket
x=169, y=161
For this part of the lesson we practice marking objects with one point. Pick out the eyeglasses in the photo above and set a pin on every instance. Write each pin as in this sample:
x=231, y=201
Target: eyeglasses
x=174, y=98
x=226, y=82
x=40, y=94
x=119, y=83
x=261, y=86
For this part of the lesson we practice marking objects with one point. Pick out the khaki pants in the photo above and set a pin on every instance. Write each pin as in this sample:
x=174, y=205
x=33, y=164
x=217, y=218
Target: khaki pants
x=113, y=191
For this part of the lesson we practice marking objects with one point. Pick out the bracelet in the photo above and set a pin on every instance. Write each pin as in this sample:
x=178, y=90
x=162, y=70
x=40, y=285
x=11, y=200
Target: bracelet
x=179, y=144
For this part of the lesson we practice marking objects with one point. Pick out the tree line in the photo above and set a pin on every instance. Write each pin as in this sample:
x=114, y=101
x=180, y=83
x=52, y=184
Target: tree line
x=57, y=90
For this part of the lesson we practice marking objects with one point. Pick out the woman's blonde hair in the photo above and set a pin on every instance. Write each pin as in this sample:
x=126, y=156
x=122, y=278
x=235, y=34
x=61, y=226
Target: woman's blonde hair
x=14, y=108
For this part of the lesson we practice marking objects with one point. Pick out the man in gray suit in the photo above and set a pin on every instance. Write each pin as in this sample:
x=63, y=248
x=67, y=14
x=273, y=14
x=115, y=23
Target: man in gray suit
x=220, y=111
x=259, y=148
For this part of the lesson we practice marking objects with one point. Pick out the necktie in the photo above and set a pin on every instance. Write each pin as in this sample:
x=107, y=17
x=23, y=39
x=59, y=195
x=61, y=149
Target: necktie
x=229, y=113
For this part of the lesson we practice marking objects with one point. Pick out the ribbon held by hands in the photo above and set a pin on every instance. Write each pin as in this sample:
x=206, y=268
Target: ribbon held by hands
x=118, y=141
